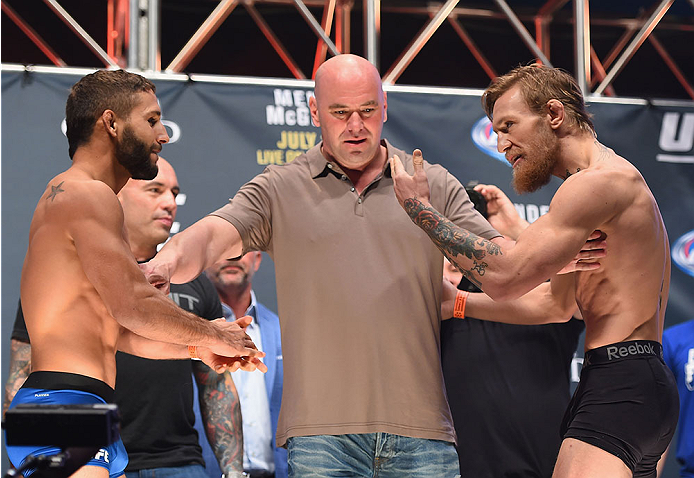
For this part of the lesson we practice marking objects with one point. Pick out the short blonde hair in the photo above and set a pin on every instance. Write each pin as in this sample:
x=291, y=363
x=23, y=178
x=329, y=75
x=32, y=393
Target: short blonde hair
x=539, y=84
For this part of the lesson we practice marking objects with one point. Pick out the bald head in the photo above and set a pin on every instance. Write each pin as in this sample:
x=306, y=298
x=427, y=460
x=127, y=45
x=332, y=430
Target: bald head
x=345, y=70
x=350, y=108
x=149, y=207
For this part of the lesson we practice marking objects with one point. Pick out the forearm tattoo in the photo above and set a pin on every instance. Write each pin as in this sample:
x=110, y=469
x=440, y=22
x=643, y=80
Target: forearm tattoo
x=221, y=415
x=452, y=240
x=20, y=367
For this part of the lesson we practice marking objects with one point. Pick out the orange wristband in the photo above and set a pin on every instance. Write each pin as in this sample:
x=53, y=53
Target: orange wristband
x=459, y=307
x=193, y=351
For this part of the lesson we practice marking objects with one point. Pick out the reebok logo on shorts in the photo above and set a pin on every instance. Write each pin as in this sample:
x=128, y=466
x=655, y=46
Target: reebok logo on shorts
x=617, y=352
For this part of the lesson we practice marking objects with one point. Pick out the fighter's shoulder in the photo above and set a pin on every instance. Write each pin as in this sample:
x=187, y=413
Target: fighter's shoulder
x=79, y=196
x=596, y=193
x=602, y=182
x=64, y=187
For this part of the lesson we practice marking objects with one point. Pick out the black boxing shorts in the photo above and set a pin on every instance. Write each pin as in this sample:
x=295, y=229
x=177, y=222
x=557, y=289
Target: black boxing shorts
x=626, y=404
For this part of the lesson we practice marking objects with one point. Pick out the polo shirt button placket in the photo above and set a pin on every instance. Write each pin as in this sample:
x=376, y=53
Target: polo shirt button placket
x=359, y=207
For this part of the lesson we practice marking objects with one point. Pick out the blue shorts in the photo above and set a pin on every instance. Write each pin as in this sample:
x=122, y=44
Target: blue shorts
x=59, y=388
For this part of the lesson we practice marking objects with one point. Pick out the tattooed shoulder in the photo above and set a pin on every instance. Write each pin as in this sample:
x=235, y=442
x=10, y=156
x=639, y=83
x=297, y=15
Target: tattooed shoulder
x=55, y=190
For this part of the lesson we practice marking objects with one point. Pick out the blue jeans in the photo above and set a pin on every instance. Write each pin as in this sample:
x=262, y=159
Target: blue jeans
x=370, y=455
x=189, y=471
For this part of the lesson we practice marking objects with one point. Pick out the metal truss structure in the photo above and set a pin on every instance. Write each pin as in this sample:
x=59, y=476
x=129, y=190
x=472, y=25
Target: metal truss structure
x=134, y=39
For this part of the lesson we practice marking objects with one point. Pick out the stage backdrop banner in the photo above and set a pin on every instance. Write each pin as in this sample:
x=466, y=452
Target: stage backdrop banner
x=225, y=132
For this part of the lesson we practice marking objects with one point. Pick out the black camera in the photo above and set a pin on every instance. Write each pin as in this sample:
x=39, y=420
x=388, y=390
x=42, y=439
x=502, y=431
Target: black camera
x=62, y=425
x=78, y=430
x=477, y=199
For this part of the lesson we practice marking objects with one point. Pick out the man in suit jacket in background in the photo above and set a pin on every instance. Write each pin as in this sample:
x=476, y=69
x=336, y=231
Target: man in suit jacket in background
x=260, y=395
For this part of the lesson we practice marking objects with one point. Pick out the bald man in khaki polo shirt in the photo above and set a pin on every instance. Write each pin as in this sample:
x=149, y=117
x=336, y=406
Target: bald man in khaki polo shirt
x=359, y=305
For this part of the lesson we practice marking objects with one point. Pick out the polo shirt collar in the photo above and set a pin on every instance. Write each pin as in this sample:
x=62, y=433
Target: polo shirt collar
x=318, y=164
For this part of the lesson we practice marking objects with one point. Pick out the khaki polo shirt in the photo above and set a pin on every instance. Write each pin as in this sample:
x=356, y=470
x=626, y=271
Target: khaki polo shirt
x=358, y=293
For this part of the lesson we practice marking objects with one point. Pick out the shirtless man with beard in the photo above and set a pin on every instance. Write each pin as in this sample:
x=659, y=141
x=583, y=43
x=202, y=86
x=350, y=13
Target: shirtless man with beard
x=624, y=411
x=83, y=294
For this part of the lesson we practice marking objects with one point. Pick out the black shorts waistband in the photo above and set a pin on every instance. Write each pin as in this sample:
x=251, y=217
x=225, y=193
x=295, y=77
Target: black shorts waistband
x=69, y=381
x=623, y=350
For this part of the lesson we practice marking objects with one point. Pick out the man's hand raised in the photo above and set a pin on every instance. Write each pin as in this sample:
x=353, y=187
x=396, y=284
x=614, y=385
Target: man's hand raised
x=501, y=213
x=410, y=187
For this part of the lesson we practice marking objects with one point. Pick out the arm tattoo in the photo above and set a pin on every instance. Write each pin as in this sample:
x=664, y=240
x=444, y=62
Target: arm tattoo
x=20, y=367
x=221, y=414
x=54, y=191
x=453, y=240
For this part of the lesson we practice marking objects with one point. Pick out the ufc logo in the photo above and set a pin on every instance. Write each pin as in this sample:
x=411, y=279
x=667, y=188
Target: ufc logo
x=102, y=454
x=677, y=136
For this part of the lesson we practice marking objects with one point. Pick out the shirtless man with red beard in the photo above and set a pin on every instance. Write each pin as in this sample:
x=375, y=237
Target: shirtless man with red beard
x=625, y=409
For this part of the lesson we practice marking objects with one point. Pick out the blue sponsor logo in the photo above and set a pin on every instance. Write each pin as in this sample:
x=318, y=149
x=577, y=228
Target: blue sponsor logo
x=683, y=253
x=484, y=138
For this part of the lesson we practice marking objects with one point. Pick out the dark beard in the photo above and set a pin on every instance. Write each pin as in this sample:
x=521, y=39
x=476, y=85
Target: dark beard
x=538, y=162
x=240, y=284
x=134, y=155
